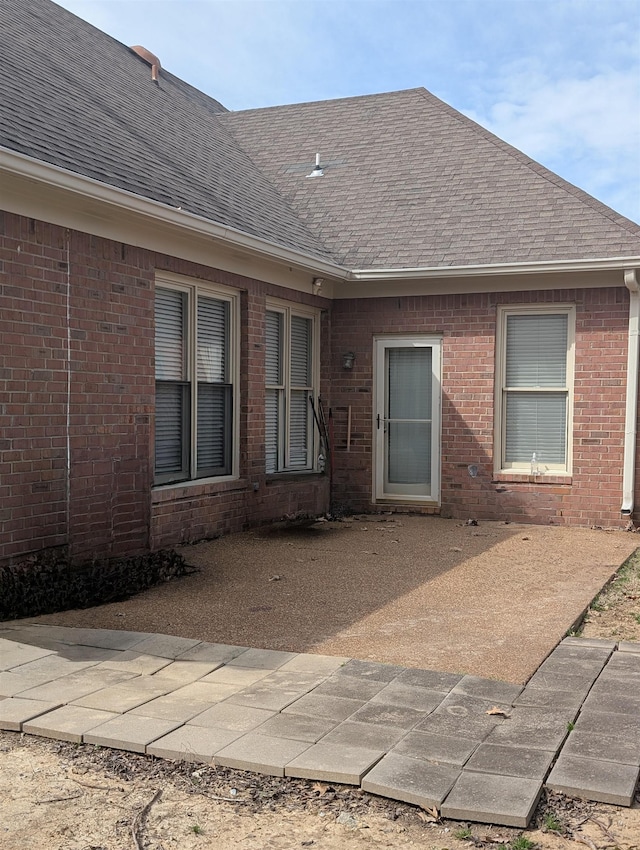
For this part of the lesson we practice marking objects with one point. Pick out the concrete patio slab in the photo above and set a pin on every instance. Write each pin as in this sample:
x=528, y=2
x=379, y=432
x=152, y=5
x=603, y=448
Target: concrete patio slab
x=241, y=677
x=136, y=662
x=371, y=670
x=321, y=665
x=76, y=685
x=565, y=701
x=511, y=761
x=297, y=727
x=586, y=643
x=620, y=726
x=487, y=689
x=68, y=723
x=533, y=728
x=432, y=680
x=12, y=684
x=122, y=697
x=612, y=703
x=411, y=780
x=269, y=695
x=14, y=711
x=321, y=705
x=370, y=735
x=106, y=638
x=484, y=797
x=235, y=718
x=555, y=680
x=17, y=654
x=166, y=646
x=602, y=747
x=351, y=687
x=388, y=715
x=436, y=748
x=186, y=671
x=332, y=762
x=262, y=659
x=593, y=779
x=629, y=646
x=171, y=707
x=408, y=696
x=192, y=743
x=215, y=652
x=129, y=732
x=260, y=753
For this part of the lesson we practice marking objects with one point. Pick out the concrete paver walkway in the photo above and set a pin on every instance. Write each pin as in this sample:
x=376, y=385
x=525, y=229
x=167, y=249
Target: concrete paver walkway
x=477, y=749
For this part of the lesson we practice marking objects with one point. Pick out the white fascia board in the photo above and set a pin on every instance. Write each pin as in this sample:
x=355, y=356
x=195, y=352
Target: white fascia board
x=492, y=269
x=86, y=187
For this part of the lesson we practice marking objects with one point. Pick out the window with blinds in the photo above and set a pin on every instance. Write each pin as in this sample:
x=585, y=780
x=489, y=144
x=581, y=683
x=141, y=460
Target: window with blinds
x=289, y=384
x=194, y=393
x=536, y=394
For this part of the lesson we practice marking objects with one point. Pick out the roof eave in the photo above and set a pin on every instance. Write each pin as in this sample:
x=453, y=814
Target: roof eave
x=28, y=167
x=492, y=269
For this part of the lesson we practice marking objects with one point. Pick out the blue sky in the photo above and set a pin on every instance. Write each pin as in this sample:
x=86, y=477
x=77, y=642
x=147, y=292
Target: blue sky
x=559, y=79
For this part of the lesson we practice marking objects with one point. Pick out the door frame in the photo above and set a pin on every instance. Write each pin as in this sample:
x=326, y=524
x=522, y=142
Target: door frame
x=381, y=343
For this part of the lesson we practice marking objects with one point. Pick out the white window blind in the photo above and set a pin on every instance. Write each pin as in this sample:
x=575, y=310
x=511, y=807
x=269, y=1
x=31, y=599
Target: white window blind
x=194, y=399
x=289, y=385
x=536, y=394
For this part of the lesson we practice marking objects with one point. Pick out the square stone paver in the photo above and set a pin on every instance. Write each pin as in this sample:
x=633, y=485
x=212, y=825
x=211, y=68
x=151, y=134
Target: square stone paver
x=334, y=763
x=408, y=696
x=124, y=696
x=170, y=707
x=262, y=659
x=12, y=684
x=241, y=677
x=235, y=718
x=204, y=692
x=15, y=711
x=130, y=732
x=598, y=643
x=192, y=743
x=593, y=779
x=269, y=694
x=437, y=748
x=350, y=687
x=619, y=726
x=320, y=705
x=217, y=652
x=629, y=646
x=533, y=728
x=486, y=798
x=16, y=654
x=370, y=670
x=613, y=703
x=107, y=638
x=511, y=761
x=322, y=665
x=136, y=662
x=388, y=715
x=186, y=671
x=433, y=680
x=260, y=753
x=560, y=680
x=627, y=661
x=68, y=723
x=69, y=688
x=298, y=727
x=373, y=736
x=487, y=689
x=166, y=646
x=540, y=698
x=592, y=745
x=411, y=780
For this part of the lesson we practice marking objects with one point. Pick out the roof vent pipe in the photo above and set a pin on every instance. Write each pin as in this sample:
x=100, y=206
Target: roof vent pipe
x=631, y=415
x=150, y=58
x=318, y=170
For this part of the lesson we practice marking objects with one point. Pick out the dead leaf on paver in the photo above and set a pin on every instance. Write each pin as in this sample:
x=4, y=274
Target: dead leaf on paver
x=498, y=711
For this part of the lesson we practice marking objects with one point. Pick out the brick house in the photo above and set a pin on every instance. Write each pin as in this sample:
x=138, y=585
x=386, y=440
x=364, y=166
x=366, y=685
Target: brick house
x=189, y=294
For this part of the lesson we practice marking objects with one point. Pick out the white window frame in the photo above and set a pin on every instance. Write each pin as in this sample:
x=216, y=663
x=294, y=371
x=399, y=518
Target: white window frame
x=501, y=390
x=287, y=310
x=192, y=289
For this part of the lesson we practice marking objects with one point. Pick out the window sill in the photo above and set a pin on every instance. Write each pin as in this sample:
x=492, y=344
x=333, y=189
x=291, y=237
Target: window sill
x=196, y=487
x=293, y=475
x=515, y=477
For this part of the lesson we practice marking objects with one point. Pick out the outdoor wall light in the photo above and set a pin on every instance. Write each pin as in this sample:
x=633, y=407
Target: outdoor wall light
x=348, y=360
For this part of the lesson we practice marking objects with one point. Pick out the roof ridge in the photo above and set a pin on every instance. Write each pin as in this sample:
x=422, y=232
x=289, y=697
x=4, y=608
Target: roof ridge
x=353, y=97
x=530, y=163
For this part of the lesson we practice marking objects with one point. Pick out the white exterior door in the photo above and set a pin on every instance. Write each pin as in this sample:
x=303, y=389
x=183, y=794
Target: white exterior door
x=407, y=419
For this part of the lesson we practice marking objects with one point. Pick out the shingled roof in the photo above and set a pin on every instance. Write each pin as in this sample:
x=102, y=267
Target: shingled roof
x=74, y=97
x=408, y=181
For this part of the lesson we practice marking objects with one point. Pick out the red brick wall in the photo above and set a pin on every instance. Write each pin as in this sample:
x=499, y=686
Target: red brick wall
x=77, y=326
x=467, y=324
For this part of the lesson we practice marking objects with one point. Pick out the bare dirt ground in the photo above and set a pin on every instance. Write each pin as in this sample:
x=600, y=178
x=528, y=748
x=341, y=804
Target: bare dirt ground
x=61, y=796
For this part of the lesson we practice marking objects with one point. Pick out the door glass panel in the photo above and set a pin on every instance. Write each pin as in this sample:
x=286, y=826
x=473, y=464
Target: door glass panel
x=409, y=383
x=409, y=453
